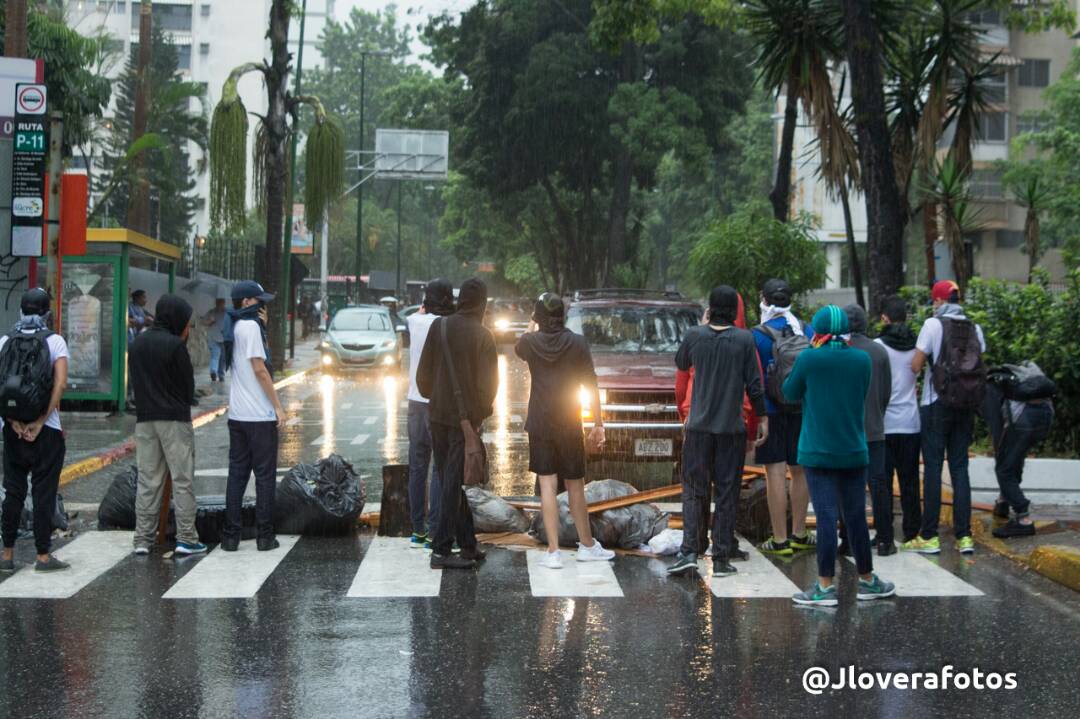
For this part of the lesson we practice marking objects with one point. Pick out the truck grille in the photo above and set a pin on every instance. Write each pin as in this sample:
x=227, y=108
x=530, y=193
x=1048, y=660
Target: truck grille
x=637, y=406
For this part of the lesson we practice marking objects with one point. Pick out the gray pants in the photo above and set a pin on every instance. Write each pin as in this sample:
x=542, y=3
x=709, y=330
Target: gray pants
x=162, y=447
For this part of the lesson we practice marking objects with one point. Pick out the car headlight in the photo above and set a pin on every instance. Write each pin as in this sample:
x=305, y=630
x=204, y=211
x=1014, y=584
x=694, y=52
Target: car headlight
x=327, y=360
x=324, y=345
x=502, y=324
x=387, y=344
x=388, y=360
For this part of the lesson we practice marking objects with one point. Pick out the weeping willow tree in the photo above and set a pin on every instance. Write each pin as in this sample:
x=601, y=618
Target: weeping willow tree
x=228, y=160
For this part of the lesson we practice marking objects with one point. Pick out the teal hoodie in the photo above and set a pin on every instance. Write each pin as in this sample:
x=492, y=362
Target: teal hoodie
x=832, y=382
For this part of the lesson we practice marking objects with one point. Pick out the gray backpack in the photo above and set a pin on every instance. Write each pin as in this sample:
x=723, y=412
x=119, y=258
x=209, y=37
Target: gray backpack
x=787, y=346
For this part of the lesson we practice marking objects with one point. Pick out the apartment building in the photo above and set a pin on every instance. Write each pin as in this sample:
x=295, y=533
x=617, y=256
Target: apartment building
x=1026, y=63
x=213, y=37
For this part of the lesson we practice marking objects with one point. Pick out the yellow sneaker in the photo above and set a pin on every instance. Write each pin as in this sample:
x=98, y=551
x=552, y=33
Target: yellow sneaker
x=965, y=545
x=922, y=546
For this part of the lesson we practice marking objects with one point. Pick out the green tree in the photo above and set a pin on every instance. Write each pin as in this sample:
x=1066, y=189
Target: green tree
x=750, y=246
x=166, y=165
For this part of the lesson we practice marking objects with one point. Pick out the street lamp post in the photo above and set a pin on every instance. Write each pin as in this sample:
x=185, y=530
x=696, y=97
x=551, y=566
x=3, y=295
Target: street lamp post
x=360, y=163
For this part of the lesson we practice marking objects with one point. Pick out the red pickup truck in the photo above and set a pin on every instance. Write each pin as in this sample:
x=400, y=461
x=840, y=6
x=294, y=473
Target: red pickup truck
x=633, y=335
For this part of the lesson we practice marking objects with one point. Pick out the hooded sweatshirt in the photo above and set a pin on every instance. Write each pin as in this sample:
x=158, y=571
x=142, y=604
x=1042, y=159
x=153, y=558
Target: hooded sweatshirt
x=560, y=364
x=877, y=399
x=726, y=370
x=831, y=380
x=160, y=366
x=476, y=361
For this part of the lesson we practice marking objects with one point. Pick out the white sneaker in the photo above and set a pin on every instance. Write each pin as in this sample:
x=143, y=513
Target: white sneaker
x=552, y=560
x=595, y=553
x=142, y=551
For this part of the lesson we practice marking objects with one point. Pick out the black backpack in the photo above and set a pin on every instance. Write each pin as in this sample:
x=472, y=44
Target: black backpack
x=27, y=375
x=1023, y=382
x=787, y=346
x=959, y=375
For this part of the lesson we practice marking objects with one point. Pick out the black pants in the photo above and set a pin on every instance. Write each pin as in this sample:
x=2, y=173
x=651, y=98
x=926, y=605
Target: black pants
x=714, y=460
x=902, y=457
x=253, y=446
x=42, y=461
x=1028, y=430
x=880, y=486
x=455, y=519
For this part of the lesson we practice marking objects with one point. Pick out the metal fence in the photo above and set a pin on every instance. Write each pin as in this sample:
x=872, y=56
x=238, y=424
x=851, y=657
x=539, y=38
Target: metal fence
x=229, y=259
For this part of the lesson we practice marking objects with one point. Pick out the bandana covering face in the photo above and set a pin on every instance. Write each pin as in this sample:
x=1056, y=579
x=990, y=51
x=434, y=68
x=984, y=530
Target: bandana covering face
x=830, y=327
x=769, y=312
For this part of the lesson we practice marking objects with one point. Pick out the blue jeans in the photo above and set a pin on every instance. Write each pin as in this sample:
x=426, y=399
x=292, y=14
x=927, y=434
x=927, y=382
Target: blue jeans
x=217, y=358
x=421, y=494
x=946, y=431
x=836, y=494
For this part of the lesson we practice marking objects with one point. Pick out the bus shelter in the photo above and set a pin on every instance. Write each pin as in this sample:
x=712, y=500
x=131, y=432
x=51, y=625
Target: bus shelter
x=94, y=309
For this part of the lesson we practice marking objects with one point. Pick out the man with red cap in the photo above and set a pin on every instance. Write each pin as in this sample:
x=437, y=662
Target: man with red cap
x=953, y=389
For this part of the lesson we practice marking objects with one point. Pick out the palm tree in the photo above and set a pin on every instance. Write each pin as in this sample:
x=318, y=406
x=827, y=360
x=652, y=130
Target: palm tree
x=15, y=30
x=138, y=210
x=797, y=41
x=947, y=187
x=1033, y=194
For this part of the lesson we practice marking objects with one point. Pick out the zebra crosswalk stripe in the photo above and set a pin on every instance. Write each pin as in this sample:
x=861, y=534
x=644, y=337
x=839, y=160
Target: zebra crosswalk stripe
x=231, y=575
x=391, y=568
x=90, y=555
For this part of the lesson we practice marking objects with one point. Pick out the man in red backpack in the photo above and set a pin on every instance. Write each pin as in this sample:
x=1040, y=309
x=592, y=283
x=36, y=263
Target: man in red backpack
x=953, y=390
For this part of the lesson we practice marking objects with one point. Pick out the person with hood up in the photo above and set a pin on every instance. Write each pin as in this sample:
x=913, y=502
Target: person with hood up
x=462, y=342
x=560, y=365
x=438, y=302
x=902, y=415
x=255, y=417
x=831, y=380
x=727, y=370
x=877, y=400
x=164, y=384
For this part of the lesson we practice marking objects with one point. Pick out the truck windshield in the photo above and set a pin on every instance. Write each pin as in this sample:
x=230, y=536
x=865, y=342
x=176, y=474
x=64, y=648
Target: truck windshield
x=632, y=329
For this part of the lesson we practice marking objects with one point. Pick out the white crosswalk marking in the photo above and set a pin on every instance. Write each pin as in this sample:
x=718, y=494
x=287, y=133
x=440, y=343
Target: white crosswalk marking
x=360, y=438
x=515, y=419
x=90, y=556
x=318, y=440
x=575, y=579
x=231, y=575
x=391, y=568
x=371, y=420
x=918, y=576
x=756, y=577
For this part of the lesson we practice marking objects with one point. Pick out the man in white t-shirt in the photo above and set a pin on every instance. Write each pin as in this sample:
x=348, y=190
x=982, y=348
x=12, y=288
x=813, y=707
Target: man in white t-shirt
x=255, y=417
x=902, y=414
x=438, y=302
x=34, y=448
x=945, y=430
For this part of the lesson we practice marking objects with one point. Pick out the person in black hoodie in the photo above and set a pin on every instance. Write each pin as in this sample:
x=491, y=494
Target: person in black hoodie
x=560, y=366
x=164, y=385
x=476, y=376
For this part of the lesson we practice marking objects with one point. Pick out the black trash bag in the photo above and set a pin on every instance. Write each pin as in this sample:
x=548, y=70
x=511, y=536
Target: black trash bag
x=117, y=508
x=752, y=519
x=26, y=520
x=323, y=499
x=210, y=518
x=492, y=513
x=626, y=527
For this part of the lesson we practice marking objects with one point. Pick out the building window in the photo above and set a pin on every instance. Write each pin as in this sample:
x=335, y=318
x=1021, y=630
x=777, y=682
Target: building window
x=1031, y=123
x=170, y=18
x=986, y=184
x=183, y=52
x=993, y=126
x=847, y=277
x=1034, y=73
x=204, y=48
x=204, y=11
x=995, y=88
x=985, y=18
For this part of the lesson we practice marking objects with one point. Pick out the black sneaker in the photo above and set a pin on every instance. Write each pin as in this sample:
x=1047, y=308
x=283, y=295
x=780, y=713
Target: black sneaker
x=1014, y=528
x=52, y=564
x=1001, y=508
x=740, y=555
x=844, y=550
x=7, y=566
x=722, y=568
x=884, y=549
x=476, y=554
x=230, y=544
x=267, y=545
x=683, y=563
x=451, y=561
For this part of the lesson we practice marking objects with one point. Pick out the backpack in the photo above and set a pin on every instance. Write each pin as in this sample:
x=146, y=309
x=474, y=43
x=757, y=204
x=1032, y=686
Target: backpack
x=1023, y=382
x=787, y=346
x=27, y=376
x=959, y=375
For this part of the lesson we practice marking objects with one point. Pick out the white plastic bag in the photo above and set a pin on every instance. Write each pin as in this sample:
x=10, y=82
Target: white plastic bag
x=666, y=542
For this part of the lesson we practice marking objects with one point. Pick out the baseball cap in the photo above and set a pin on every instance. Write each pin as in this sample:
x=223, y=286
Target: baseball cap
x=250, y=289
x=548, y=304
x=777, y=293
x=34, y=302
x=945, y=290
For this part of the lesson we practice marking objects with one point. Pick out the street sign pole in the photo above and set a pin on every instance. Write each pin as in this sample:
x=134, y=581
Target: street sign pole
x=54, y=274
x=31, y=143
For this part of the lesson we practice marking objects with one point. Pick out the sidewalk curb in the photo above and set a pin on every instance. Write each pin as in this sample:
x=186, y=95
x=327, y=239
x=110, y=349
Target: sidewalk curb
x=1058, y=563
x=84, y=467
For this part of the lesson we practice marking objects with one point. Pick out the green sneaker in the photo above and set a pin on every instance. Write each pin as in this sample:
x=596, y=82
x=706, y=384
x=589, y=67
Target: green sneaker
x=417, y=541
x=806, y=541
x=965, y=545
x=923, y=546
x=817, y=595
x=876, y=588
x=771, y=546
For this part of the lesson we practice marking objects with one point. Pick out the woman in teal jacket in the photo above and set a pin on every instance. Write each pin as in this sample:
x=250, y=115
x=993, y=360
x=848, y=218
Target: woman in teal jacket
x=831, y=380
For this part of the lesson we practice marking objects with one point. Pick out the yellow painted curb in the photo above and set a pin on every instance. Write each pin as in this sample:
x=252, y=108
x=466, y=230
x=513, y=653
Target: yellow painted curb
x=84, y=467
x=1062, y=564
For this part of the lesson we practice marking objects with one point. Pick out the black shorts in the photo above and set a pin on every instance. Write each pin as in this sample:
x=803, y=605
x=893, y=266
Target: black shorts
x=562, y=456
x=782, y=444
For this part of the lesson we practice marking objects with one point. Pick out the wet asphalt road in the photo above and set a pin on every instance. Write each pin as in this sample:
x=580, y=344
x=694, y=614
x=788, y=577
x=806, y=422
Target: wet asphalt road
x=485, y=644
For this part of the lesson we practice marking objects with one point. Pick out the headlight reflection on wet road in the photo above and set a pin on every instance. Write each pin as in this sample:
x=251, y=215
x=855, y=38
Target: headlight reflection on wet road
x=391, y=388
x=502, y=420
x=327, y=388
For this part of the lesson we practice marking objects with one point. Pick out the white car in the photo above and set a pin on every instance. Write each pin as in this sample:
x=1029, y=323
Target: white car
x=362, y=337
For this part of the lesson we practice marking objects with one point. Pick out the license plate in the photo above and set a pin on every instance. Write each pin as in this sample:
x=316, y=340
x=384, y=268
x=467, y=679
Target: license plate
x=653, y=447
